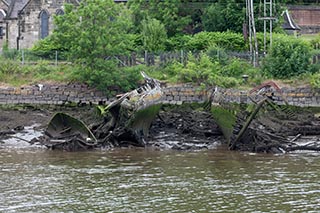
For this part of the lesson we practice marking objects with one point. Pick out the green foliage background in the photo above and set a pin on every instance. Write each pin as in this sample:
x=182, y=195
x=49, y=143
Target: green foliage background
x=93, y=35
x=288, y=57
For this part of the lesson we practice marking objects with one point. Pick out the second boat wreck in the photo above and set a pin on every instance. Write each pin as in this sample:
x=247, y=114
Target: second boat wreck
x=272, y=128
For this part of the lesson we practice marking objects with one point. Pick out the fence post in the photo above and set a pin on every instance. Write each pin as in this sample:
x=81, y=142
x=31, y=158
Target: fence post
x=56, y=58
x=133, y=59
x=146, y=57
x=22, y=55
x=152, y=61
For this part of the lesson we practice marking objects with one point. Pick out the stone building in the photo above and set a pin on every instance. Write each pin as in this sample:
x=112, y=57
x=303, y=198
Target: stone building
x=3, y=12
x=23, y=22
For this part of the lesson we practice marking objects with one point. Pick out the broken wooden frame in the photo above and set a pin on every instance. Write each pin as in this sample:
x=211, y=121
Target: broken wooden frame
x=262, y=141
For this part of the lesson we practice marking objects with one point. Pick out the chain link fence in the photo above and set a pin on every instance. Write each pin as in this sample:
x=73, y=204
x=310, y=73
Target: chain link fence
x=29, y=57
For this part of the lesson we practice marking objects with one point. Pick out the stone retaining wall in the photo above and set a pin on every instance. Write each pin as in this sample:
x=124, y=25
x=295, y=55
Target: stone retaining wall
x=51, y=94
x=81, y=94
x=304, y=96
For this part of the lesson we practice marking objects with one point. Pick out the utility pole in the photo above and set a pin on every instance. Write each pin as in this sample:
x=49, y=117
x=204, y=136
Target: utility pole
x=267, y=17
x=252, y=33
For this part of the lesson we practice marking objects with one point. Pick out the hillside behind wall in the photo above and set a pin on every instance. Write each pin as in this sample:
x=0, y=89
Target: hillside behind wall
x=81, y=94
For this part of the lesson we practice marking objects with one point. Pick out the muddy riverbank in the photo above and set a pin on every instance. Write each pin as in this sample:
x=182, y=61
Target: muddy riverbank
x=181, y=128
x=20, y=116
x=188, y=127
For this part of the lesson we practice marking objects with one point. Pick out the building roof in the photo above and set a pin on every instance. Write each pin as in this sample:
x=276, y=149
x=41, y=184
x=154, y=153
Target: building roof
x=289, y=23
x=15, y=7
x=2, y=15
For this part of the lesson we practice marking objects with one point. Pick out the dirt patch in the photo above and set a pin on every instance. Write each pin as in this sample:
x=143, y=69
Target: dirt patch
x=27, y=116
x=12, y=119
x=184, y=128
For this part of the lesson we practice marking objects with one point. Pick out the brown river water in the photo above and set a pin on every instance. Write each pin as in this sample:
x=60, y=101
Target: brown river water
x=34, y=179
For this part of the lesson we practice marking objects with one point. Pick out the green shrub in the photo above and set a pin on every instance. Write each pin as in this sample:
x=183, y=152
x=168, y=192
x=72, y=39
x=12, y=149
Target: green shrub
x=42, y=67
x=236, y=68
x=315, y=80
x=226, y=82
x=218, y=54
x=227, y=40
x=9, y=67
x=153, y=34
x=288, y=57
x=108, y=77
x=11, y=54
x=198, y=70
x=177, y=42
x=48, y=72
x=315, y=42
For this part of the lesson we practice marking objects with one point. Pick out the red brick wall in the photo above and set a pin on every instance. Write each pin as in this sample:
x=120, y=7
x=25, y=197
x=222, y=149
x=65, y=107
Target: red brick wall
x=306, y=15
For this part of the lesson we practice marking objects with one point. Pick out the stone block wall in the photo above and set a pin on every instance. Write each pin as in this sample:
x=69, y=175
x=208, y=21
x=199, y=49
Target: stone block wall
x=186, y=93
x=301, y=96
x=51, y=95
x=81, y=94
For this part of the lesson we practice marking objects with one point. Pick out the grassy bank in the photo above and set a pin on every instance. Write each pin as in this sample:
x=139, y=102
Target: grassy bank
x=15, y=73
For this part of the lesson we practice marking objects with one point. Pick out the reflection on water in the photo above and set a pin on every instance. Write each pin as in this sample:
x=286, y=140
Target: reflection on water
x=139, y=180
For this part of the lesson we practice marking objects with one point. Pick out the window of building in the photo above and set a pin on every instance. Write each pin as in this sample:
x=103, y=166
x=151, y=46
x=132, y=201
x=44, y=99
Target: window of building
x=59, y=12
x=1, y=32
x=44, y=24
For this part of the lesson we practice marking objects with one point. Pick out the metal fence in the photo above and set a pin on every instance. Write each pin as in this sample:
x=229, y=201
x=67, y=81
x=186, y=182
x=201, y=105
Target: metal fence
x=28, y=57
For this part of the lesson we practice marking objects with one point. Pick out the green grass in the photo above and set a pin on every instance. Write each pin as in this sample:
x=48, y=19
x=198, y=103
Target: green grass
x=309, y=37
x=16, y=74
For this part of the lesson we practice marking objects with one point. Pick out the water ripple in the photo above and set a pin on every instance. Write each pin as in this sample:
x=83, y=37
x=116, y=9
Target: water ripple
x=158, y=181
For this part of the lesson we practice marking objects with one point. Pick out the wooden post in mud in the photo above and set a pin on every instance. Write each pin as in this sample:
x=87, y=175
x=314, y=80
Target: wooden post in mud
x=247, y=123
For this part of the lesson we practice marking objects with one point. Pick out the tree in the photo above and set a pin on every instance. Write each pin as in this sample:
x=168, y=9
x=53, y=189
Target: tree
x=93, y=31
x=166, y=11
x=93, y=34
x=224, y=15
x=213, y=19
x=153, y=34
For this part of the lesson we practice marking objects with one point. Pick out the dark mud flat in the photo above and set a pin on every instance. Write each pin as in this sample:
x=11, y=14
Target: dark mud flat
x=184, y=128
x=15, y=118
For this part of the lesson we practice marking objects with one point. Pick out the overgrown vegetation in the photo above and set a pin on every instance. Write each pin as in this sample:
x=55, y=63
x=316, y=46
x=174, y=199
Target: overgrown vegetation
x=92, y=44
x=288, y=57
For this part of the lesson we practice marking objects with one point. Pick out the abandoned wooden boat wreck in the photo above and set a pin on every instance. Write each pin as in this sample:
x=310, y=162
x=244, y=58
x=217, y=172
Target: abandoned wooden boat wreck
x=126, y=122
x=68, y=133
